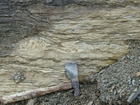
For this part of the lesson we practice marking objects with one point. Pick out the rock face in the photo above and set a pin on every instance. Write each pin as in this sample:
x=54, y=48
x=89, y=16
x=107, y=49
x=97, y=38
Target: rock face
x=37, y=40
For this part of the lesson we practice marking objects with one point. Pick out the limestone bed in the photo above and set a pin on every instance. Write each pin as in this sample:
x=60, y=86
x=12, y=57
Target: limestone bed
x=96, y=89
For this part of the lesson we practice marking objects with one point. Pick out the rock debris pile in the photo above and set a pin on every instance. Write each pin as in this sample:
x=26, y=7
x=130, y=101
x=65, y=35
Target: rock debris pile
x=121, y=81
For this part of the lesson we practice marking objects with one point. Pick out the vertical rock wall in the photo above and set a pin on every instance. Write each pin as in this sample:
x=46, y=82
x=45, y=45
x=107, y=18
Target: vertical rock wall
x=38, y=38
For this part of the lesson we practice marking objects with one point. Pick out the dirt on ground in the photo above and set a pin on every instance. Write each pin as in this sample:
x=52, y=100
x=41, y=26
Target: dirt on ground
x=118, y=84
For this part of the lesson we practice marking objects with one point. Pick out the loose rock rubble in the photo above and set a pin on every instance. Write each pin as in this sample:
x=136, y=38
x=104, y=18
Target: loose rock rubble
x=121, y=81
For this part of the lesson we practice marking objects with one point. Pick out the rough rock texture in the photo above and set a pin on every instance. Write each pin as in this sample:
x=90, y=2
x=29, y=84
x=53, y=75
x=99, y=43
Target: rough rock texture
x=37, y=40
x=120, y=82
x=91, y=94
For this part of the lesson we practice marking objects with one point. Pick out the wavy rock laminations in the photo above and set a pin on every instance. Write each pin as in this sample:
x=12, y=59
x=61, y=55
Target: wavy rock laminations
x=40, y=39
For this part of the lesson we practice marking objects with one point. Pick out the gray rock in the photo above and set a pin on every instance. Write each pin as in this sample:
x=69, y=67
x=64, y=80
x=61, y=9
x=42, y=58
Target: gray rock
x=125, y=81
x=90, y=103
x=49, y=1
x=135, y=93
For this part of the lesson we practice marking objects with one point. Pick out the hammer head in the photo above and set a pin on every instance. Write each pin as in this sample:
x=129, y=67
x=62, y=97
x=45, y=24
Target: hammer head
x=72, y=72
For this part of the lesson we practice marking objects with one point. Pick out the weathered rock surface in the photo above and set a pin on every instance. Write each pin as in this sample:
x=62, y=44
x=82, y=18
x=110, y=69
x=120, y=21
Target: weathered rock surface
x=37, y=40
x=119, y=82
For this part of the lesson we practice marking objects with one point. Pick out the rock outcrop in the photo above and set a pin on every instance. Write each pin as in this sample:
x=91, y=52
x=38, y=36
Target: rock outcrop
x=36, y=40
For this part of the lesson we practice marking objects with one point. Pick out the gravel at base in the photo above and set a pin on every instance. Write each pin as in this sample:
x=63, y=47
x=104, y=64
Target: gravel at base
x=118, y=81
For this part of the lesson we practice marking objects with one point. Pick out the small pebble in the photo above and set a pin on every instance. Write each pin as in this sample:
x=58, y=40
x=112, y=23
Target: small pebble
x=132, y=57
x=138, y=74
x=129, y=82
x=133, y=82
x=115, y=92
x=49, y=1
x=90, y=103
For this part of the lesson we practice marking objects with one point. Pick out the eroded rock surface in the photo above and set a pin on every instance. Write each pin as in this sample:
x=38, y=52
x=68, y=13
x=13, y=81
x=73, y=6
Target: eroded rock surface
x=120, y=82
x=38, y=40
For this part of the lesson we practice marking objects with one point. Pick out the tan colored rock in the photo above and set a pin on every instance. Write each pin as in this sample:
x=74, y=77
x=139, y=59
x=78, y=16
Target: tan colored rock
x=93, y=37
x=138, y=74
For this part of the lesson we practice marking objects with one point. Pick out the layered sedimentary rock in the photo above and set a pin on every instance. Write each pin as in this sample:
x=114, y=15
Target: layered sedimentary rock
x=37, y=40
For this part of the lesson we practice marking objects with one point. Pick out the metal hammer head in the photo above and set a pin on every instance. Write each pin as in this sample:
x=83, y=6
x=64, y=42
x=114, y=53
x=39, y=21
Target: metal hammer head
x=72, y=72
